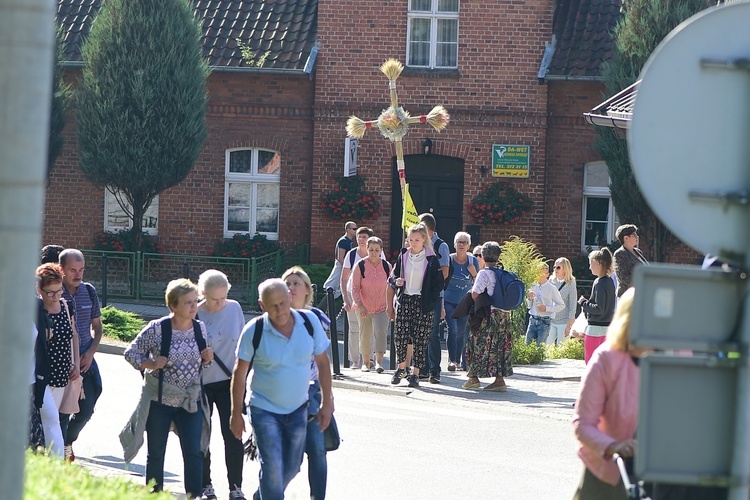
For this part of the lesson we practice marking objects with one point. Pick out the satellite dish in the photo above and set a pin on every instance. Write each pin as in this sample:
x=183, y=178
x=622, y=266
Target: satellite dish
x=690, y=133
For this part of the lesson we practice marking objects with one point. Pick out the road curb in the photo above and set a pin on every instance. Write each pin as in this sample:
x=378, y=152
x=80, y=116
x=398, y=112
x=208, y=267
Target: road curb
x=108, y=348
x=364, y=387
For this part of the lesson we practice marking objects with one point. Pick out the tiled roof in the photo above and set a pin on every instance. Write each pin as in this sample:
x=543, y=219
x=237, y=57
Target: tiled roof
x=583, y=31
x=280, y=33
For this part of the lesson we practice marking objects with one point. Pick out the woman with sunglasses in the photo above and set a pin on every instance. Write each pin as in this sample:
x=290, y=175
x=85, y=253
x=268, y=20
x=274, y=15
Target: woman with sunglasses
x=62, y=349
x=565, y=283
x=463, y=270
x=478, y=254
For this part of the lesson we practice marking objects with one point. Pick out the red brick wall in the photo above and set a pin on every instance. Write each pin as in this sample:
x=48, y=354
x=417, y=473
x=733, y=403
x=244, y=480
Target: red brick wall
x=245, y=110
x=494, y=97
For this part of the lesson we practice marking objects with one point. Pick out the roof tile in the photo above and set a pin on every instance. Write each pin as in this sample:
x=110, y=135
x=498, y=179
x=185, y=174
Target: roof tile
x=287, y=28
x=583, y=29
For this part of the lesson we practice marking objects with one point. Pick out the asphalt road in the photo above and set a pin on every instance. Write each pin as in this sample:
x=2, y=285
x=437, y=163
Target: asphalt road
x=429, y=444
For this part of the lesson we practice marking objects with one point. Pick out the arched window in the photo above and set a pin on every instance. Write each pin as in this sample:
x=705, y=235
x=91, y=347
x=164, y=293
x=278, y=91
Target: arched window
x=251, y=201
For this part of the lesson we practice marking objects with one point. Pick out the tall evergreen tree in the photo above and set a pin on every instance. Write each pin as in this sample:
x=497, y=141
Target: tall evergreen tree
x=61, y=97
x=642, y=28
x=141, y=100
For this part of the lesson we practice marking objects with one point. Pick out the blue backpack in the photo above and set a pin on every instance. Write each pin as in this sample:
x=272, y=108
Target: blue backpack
x=509, y=290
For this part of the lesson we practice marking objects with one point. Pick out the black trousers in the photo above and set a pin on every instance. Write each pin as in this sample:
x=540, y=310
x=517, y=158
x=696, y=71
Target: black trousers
x=219, y=395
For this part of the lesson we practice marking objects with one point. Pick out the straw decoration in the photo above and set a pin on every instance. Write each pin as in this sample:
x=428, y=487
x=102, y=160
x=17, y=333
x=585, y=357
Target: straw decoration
x=392, y=69
x=356, y=127
x=438, y=118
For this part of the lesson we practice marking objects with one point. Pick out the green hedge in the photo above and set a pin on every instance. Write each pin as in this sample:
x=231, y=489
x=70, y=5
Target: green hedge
x=121, y=325
x=53, y=479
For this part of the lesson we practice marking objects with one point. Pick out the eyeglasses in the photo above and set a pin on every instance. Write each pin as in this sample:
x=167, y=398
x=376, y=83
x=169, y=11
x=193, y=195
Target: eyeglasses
x=352, y=228
x=558, y=267
x=52, y=293
x=462, y=243
x=478, y=255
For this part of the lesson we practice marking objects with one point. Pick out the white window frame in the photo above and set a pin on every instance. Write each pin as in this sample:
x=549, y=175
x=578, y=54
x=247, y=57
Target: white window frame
x=154, y=208
x=597, y=192
x=433, y=16
x=253, y=178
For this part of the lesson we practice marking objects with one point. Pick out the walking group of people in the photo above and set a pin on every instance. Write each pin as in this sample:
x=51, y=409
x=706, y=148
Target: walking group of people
x=65, y=380
x=199, y=357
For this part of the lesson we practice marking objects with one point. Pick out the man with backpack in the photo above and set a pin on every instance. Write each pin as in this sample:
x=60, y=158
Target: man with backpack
x=279, y=347
x=89, y=325
x=544, y=301
x=434, y=350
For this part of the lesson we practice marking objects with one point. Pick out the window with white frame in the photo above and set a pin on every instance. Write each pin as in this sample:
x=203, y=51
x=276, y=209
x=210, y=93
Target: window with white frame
x=432, y=34
x=599, y=217
x=116, y=219
x=251, y=202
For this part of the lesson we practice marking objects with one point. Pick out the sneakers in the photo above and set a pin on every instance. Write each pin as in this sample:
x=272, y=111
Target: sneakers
x=472, y=383
x=423, y=376
x=69, y=455
x=378, y=367
x=434, y=378
x=365, y=367
x=413, y=381
x=451, y=366
x=496, y=387
x=236, y=495
x=397, y=376
x=209, y=493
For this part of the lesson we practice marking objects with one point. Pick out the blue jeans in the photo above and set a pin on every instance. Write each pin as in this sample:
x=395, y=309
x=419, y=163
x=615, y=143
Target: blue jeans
x=315, y=447
x=434, y=352
x=281, y=443
x=72, y=425
x=538, y=329
x=456, y=334
x=189, y=428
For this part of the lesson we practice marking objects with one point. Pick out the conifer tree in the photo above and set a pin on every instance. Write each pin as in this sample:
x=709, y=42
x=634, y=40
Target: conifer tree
x=61, y=97
x=141, y=100
x=642, y=28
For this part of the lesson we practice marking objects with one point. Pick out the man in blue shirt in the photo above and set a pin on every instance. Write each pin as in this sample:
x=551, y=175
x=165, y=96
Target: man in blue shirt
x=89, y=325
x=279, y=387
x=434, y=350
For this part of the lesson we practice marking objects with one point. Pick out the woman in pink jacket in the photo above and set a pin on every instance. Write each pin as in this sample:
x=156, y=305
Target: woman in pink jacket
x=607, y=409
x=369, y=283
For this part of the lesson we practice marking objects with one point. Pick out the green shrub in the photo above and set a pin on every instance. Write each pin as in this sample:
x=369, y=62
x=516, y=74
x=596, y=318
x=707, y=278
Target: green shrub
x=318, y=275
x=523, y=258
x=121, y=325
x=244, y=246
x=569, y=349
x=531, y=354
x=52, y=478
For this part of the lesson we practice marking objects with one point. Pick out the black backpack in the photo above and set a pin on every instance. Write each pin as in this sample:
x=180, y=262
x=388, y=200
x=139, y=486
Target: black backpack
x=166, y=343
x=362, y=267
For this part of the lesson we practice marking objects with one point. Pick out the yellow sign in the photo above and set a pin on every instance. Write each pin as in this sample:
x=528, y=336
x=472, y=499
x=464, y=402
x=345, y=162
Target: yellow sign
x=510, y=160
x=410, y=215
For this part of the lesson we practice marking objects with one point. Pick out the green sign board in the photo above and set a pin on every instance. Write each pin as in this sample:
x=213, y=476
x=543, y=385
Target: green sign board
x=510, y=160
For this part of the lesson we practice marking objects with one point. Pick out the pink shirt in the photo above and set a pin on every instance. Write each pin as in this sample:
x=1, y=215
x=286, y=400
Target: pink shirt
x=606, y=409
x=370, y=291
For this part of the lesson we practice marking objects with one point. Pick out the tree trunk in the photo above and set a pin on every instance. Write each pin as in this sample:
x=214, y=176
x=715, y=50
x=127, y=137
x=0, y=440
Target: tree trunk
x=26, y=58
x=137, y=233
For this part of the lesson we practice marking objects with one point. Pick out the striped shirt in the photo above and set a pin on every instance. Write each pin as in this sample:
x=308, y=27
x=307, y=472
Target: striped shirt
x=86, y=303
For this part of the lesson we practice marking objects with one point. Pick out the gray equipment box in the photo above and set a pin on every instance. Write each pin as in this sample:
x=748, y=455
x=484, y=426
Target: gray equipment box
x=686, y=419
x=685, y=307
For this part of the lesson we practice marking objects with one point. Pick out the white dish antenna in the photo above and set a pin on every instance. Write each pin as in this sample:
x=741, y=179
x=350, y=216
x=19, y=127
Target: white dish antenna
x=690, y=134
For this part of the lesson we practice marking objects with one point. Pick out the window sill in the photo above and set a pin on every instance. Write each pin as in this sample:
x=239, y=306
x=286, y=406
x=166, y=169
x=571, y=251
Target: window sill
x=431, y=73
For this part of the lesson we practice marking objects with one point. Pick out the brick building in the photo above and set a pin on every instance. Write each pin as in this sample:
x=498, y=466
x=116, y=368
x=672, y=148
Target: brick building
x=276, y=122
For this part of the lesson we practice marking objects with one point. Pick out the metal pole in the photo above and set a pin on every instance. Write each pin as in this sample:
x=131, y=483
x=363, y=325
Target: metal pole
x=740, y=472
x=393, y=360
x=104, y=280
x=26, y=55
x=346, y=338
x=186, y=270
x=334, y=333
